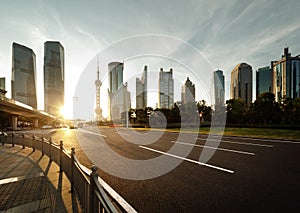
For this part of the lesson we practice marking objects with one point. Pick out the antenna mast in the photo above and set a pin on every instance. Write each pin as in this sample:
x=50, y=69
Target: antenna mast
x=98, y=84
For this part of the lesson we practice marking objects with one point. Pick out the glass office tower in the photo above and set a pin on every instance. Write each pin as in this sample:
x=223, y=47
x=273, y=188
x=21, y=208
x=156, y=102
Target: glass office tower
x=263, y=80
x=219, y=88
x=286, y=76
x=241, y=83
x=54, y=77
x=23, y=83
x=166, y=89
x=119, y=96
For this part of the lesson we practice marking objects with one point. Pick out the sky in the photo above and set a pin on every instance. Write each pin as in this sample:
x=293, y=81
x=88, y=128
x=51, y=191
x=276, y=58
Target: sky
x=193, y=37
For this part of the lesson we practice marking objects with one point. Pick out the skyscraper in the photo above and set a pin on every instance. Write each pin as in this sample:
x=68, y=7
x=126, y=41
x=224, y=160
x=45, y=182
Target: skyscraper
x=188, y=92
x=286, y=76
x=241, y=82
x=2, y=83
x=141, y=91
x=219, y=88
x=119, y=97
x=263, y=80
x=23, y=83
x=115, y=70
x=54, y=77
x=2, y=87
x=166, y=89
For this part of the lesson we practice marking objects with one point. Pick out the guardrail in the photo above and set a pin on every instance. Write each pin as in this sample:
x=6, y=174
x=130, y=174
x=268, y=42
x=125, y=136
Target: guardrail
x=85, y=183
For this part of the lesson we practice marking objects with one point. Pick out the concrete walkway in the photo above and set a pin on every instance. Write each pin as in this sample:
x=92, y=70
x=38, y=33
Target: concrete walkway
x=29, y=182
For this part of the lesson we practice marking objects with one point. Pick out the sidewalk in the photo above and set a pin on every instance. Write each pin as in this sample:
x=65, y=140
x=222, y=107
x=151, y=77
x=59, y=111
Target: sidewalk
x=29, y=182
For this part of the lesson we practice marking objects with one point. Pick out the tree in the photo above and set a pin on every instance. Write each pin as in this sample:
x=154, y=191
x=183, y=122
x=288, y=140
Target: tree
x=204, y=110
x=265, y=108
x=250, y=114
x=236, y=109
x=291, y=110
x=174, y=115
x=189, y=113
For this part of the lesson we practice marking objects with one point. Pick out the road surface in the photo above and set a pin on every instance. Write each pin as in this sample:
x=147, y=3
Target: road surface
x=243, y=174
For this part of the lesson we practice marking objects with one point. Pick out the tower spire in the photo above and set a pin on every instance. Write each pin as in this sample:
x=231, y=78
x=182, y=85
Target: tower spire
x=98, y=67
x=98, y=84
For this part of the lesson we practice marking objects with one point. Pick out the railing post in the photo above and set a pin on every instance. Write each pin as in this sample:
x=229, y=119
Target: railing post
x=93, y=176
x=50, y=142
x=23, y=136
x=5, y=138
x=33, y=138
x=42, y=144
x=72, y=168
x=12, y=139
x=61, y=146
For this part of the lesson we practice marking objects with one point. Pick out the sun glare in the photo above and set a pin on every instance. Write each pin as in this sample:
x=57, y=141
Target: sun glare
x=65, y=113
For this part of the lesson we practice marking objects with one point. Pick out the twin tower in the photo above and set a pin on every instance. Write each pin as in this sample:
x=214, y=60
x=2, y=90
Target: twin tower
x=23, y=84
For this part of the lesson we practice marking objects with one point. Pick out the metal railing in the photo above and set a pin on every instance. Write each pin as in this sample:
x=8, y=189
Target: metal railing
x=85, y=183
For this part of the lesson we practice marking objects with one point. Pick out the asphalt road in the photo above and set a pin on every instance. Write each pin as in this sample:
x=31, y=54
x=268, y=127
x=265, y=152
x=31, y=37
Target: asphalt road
x=243, y=174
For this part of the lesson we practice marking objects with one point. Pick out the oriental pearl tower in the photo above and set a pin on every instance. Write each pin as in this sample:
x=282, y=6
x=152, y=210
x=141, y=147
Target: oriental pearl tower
x=98, y=84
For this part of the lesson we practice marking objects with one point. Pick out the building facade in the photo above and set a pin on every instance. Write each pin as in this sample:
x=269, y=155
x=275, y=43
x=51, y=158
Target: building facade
x=2, y=83
x=54, y=77
x=286, y=76
x=115, y=70
x=119, y=96
x=166, y=89
x=241, y=83
x=141, y=90
x=188, y=92
x=23, y=83
x=219, y=88
x=2, y=87
x=263, y=80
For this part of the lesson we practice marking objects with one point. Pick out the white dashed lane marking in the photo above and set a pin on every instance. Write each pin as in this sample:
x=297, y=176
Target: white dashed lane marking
x=216, y=148
x=188, y=160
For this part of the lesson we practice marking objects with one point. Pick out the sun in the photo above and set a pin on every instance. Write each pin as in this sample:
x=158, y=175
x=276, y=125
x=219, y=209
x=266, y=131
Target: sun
x=65, y=112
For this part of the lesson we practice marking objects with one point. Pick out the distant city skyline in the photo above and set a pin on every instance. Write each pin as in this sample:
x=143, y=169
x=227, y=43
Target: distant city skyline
x=226, y=33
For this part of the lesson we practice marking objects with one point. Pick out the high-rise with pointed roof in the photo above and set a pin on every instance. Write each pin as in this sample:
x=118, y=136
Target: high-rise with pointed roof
x=188, y=92
x=141, y=90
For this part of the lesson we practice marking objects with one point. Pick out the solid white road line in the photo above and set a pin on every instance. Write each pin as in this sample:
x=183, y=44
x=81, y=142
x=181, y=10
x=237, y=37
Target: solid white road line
x=121, y=133
x=216, y=148
x=189, y=160
x=266, y=140
x=242, y=143
x=89, y=132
